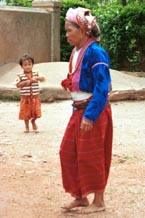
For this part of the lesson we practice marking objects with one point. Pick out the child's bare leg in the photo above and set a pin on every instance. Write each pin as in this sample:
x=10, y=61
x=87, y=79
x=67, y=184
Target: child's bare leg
x=34, y=126
x=26, y=126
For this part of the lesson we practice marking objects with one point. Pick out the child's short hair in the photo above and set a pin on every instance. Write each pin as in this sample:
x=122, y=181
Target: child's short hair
x=24, y=58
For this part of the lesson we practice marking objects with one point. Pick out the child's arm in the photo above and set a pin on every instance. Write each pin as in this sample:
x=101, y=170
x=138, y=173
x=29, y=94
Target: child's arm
x=29, y=81
x=23, y=83
x=40, y=78
x=19, y=83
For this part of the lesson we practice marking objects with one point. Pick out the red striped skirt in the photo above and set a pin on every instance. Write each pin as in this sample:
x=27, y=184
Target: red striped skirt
x=30, y=108
x=86, y=156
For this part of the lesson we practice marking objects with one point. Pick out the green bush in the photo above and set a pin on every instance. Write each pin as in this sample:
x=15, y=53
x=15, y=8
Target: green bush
x=123, y=31
x=22, y=3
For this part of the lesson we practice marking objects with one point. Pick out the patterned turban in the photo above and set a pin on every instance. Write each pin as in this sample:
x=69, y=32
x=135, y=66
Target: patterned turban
x=83, y=18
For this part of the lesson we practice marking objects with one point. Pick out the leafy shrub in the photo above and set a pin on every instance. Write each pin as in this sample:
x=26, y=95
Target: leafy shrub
x=22, y=3
x=123, y=31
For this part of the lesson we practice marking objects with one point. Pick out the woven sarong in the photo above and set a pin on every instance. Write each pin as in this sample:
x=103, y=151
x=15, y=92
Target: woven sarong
x=30, y=108
x=86, y=156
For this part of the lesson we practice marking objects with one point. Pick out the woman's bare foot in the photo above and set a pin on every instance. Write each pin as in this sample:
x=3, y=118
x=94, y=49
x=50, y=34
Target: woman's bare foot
x=93, y=208
x=82, y=202
x=97, y=204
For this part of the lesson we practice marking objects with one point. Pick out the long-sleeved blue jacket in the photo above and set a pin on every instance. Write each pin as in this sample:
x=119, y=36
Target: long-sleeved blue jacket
x=95, y=78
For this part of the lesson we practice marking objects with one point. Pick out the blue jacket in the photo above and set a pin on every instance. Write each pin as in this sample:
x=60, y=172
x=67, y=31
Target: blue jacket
x=95, y=78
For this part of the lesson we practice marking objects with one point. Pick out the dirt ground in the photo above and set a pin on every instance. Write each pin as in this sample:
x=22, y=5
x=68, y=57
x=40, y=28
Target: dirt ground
x=30, y=178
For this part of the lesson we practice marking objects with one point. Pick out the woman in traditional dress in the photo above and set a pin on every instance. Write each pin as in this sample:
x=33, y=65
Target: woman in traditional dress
x=86, y=147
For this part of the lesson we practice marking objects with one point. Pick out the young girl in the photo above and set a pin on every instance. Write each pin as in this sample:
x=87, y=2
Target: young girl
x=28, y=83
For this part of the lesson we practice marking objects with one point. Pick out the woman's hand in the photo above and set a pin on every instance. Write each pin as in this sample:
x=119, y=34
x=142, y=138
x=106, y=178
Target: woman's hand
x=86, y=125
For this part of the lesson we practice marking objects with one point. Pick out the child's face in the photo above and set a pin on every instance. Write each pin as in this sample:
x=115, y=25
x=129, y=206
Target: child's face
x=27, y=66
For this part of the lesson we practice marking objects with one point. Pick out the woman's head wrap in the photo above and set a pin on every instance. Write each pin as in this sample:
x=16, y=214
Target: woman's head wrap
x=83, y=18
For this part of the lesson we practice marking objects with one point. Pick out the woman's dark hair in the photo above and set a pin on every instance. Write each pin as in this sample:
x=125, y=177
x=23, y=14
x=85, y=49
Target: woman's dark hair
x=95, y=32
x=75, y=25
x=24, y=58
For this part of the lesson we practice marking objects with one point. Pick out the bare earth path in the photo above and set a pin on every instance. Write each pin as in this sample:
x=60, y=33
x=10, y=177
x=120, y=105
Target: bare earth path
x=30, y=178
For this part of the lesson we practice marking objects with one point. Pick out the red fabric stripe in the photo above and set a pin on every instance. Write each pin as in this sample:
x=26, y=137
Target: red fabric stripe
x=86, y=156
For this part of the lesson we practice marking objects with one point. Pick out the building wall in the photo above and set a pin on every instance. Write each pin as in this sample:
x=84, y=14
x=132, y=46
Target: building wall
x=25, y=30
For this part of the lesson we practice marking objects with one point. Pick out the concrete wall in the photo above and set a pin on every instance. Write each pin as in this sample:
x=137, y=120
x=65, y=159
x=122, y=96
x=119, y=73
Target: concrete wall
x=53, y=6
x=25, y=30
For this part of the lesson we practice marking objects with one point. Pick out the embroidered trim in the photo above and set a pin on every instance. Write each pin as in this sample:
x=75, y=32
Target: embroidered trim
x=80, y=56
x=100, y=63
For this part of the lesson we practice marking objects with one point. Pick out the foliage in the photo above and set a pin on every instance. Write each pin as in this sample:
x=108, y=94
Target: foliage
x=123, y=31
x=22, y=3
x=110, y=2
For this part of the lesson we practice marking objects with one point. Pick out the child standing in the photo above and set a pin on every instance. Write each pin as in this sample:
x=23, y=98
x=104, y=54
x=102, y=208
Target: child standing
x=28, y=83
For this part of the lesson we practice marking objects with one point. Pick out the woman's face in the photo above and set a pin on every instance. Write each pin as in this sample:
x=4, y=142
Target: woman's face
x=74, y=36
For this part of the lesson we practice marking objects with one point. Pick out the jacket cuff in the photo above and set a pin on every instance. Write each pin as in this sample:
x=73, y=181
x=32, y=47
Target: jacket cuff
x=90, y=121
